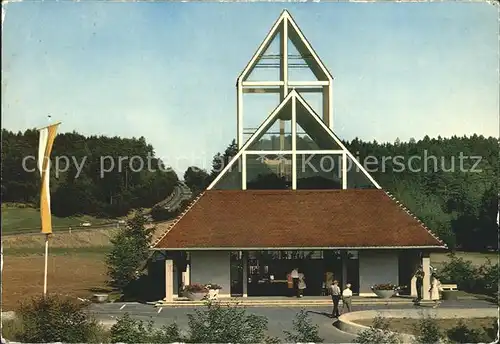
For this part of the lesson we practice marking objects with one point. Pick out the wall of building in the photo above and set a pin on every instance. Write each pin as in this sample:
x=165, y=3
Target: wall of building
x=377, y=267
x=212, y=267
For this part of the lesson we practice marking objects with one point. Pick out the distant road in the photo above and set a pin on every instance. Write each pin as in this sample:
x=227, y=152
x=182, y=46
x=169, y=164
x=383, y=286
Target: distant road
x=111, y=225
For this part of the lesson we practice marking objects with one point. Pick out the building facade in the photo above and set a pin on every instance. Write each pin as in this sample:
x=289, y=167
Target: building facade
x=293, y=196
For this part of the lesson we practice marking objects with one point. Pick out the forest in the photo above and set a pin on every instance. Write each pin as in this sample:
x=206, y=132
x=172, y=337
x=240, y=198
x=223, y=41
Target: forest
x=459, y=204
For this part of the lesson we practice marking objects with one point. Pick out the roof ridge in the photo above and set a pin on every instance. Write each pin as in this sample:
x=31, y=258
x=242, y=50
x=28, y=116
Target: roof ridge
x=402, y=206
x=177, y=219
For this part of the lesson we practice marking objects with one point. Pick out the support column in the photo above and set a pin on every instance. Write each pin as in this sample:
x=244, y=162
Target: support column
x=426, y=266
x=169, y=280
x=185, y=276
x=344, y=270
x=244, y=257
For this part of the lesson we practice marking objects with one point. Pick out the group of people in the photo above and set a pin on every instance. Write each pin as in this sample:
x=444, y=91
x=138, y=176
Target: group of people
x=296, y=282
x=434, y=290
x=337, y=295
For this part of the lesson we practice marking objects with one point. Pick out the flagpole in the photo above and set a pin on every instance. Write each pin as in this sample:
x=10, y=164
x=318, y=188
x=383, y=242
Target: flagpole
x=47, y=234
x=46, y=264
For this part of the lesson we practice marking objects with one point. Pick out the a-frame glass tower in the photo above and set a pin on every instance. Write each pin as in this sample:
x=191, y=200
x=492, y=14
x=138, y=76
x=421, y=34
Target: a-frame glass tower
x=304, y=152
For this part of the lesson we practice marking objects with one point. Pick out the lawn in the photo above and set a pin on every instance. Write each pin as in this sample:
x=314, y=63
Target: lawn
x=71, y=271
x=406, y=325
x=16, y=219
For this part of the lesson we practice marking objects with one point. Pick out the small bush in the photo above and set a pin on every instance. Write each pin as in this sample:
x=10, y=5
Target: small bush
x=469, y=278
x=492, y=331
x=228, y=324
x=462, y=334
x=378, y=333
x=128, y=330
x=428, y=330
x=56, y=319
x=304, y=330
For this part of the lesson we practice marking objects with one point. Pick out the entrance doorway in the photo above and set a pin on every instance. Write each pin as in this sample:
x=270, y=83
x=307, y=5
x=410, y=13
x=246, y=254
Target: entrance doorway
x=236, y=273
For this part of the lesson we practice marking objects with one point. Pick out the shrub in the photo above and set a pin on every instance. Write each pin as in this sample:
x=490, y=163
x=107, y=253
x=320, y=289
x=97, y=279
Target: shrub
x=56, y=319
x=462, y=334
x=195, y=288
x=378, y=333
x=482, y=279
x=304, y=330
x=228, y=324
x=428, y=330
x=492, y=331
x=213, y=286
x=128, y=330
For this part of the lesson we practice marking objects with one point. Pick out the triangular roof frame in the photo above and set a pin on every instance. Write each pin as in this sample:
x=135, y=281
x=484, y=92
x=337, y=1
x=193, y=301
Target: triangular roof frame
x=292, y=97
x=300, y=42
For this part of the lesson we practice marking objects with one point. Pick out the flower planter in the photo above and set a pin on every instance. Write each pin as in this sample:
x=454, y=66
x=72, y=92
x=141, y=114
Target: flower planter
x=101, y=298
x=195, y=296
x=384, y=294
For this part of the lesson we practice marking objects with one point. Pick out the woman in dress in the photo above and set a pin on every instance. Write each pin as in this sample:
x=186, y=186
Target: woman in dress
x=435, y=289
x=302, y=284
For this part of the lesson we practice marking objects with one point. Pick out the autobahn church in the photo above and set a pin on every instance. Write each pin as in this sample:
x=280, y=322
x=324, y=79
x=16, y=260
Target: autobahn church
x=293, y=196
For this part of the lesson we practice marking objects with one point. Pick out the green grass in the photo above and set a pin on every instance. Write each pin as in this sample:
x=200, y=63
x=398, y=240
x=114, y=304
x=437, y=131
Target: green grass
x=16, y=219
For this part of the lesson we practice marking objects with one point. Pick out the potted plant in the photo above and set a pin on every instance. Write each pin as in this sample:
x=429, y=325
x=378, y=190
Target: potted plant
x=213, y=290
x=385, y=290
x=195, y=292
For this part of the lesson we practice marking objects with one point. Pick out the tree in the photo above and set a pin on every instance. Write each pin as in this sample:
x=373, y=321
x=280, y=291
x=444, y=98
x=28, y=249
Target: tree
x=197, y=179
x=129, y=252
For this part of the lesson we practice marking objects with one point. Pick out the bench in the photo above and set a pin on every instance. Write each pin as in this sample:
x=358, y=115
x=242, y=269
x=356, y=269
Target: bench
x=449, y=287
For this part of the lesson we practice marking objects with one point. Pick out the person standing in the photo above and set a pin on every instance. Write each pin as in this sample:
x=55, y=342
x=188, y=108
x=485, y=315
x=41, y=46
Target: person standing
x=434, y=290
x=347, y=298
x=295, y=278
x=289, y=282
x=419, y=275
x=301, y=285
x=335, y=291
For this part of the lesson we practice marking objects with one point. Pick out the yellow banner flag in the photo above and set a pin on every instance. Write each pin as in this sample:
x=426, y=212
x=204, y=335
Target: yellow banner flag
x=47, y=136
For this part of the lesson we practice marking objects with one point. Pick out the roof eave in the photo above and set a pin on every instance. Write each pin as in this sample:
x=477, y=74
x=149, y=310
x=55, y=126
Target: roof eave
x=421, y=247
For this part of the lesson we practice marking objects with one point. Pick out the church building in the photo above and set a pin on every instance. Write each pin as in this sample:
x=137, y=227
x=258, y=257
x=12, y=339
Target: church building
x=293, y=196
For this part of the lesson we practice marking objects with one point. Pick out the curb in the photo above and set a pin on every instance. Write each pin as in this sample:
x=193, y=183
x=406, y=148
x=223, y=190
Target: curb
x=176, y=304
x=346, y=322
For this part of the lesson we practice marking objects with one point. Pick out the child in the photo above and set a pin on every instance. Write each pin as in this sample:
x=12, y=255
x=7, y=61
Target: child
x=434, y=290
x=347, y=298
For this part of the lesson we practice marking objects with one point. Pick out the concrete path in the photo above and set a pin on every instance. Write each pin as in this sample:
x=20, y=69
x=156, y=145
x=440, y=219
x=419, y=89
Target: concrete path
x=280, y=318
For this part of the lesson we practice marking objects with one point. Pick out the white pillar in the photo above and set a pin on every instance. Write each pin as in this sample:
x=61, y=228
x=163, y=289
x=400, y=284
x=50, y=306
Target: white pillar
x=186, y=275
x=426, y=266
x=169, y=280
x=245, y=273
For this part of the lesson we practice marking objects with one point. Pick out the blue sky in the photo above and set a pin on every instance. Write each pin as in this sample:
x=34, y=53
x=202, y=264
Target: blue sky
x=167, y=71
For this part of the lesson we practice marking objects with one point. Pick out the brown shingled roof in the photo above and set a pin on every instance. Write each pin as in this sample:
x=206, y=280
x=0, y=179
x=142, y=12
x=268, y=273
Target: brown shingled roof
x=297, y=219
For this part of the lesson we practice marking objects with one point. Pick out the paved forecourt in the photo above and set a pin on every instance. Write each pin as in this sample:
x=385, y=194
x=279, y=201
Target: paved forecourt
x=280, y=318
